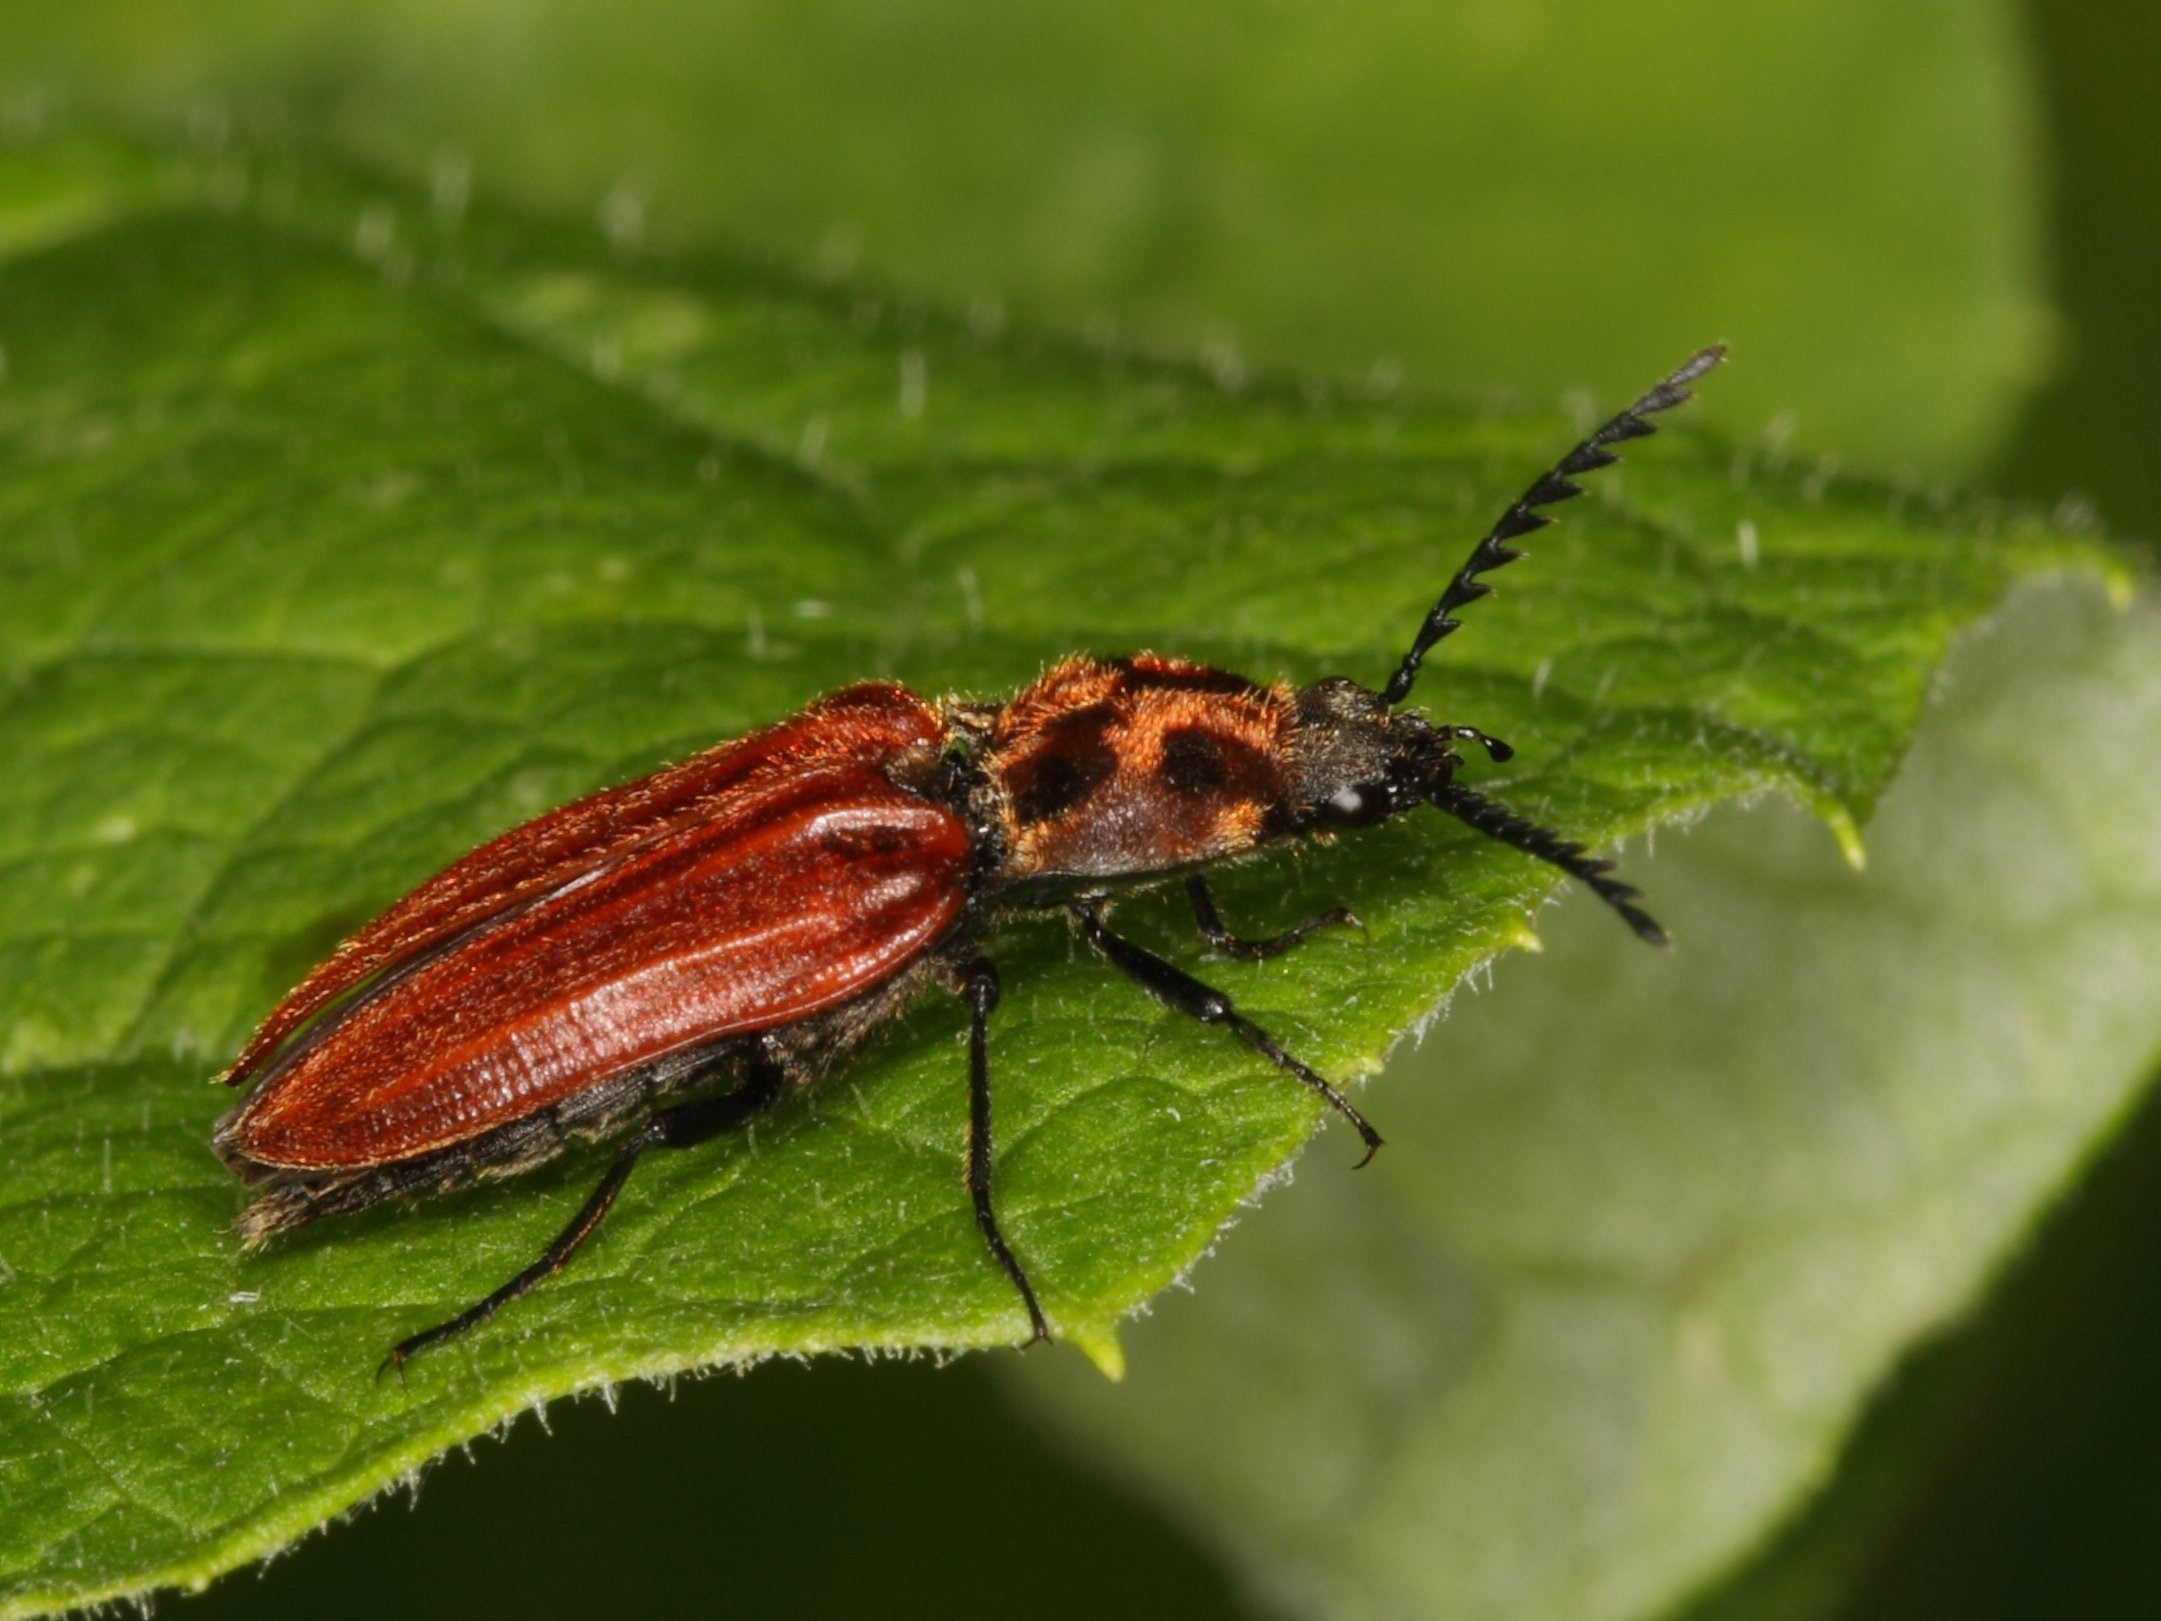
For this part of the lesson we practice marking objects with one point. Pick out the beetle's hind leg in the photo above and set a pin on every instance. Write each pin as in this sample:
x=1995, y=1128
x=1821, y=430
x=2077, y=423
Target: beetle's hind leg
x=1180, y=991
x=979, y=988
x=683, y=1126
x=1210, y=923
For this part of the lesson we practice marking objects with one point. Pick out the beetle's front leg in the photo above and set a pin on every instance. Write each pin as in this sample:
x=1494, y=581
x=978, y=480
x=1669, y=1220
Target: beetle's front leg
x=1210, y=922
x=1180, y=991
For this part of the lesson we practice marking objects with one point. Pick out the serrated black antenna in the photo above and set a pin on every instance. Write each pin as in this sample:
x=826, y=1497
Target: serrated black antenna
x=1556, y=485
x=1497, y=821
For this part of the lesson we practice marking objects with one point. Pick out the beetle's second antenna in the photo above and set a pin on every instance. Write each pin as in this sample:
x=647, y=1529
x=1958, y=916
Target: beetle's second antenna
x=1558, y=484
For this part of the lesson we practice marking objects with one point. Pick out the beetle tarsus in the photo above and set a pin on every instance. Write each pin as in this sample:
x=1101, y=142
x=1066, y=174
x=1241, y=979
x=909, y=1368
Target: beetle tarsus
x=979, y=986
x=683, y=1126
x=1210, y=923
x=1182, y=993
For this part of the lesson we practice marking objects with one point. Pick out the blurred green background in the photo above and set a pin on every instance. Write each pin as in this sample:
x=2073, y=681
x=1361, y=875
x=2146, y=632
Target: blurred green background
x=1929, y=231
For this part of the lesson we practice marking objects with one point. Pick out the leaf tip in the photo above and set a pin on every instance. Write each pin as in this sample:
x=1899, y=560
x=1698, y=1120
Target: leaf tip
x=1098, y=1342
x=1848, y=833
x=2121, y=583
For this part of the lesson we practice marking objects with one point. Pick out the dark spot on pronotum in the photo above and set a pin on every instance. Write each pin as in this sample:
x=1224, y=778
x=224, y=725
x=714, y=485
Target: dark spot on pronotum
x=1074, y=761
x=1193, y=762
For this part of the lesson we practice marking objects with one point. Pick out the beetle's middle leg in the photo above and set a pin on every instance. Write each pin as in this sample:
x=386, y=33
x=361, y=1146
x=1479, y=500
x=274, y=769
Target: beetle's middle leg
x=683, y=1126
x=1210, y=923
x=979, y=988
x=1180, y=991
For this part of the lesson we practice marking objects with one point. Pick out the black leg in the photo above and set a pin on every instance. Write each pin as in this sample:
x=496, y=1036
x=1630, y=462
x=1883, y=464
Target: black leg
x=681, y=1127
x=1180, y=991
x=979, y=985
x=1497, y=821
x=1210, y=922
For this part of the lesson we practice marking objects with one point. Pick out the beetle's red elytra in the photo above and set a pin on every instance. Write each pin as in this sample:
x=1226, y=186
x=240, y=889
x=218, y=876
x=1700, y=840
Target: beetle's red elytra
x=663, y=961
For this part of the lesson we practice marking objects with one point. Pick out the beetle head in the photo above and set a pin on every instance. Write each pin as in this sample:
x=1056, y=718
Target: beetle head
x=1361, y=762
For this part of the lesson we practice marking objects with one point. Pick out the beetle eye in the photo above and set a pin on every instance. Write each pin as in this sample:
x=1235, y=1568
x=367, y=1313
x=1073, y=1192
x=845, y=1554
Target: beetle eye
x=1354, y=806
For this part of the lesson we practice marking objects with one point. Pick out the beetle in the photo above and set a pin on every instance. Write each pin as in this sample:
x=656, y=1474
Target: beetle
x=663, y=961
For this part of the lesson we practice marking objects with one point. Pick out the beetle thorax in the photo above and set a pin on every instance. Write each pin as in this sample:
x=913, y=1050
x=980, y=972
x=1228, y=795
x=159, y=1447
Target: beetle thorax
x=1123, y=768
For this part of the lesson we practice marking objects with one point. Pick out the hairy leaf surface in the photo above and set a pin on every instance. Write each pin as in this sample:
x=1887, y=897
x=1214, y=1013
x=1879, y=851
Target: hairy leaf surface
x=347, y=523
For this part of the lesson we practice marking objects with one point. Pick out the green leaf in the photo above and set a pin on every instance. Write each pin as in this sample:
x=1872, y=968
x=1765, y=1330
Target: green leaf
x=1514, y=196
x=346, y=523
x=1986, y=1476
x=1658, y=1228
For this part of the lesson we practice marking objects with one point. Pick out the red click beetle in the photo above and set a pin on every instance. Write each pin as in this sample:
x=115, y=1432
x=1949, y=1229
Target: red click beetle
x=669, y=958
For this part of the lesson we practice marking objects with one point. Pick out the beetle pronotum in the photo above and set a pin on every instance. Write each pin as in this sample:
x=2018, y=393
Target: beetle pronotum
x=752, y=915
